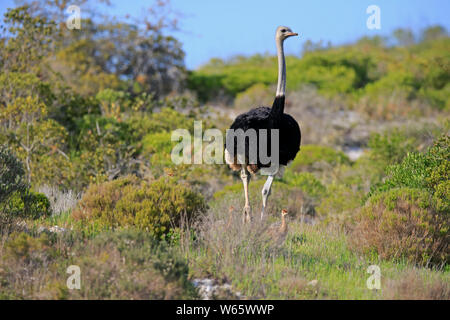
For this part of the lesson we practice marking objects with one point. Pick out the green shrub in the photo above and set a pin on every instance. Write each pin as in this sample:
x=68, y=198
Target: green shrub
x=15, y=197
x=390, y=147
x=127, y=264
x=307, y=182
x=11, y=175
x=339, y=200
x=156, y=206
x=400, y=80
x=105, y=148
x=402, y=223
x=23, y=247
x=206, y=86
x=429, y=171
x=255, y=96
x=153, y=269
x=159, y=147
x=313, y=156
x=438, y=173
x=112, y=102
x=29, y=204
x=166, y=120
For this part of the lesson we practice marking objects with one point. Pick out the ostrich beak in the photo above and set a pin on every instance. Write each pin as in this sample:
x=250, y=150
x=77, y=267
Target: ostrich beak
x=292, y=34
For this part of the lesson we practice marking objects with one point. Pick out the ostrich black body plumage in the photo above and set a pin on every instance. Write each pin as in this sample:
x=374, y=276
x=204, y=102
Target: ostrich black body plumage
x=269, y=118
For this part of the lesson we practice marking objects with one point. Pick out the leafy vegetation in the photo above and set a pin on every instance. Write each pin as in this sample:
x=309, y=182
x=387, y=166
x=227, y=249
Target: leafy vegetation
x=402, y=223
x=29, y=204
x=11, y=175
x=428, y=171
x=380, y=81
x=120, y=265
x=313, y=155
x=86, y=176
x=156, y=206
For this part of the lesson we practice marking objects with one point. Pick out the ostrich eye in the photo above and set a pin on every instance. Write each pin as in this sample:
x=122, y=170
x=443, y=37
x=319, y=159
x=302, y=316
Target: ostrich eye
x=283, y=30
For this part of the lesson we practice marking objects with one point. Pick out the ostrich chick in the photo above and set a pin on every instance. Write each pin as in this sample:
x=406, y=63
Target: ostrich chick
x=221, y=223
x=278, y=231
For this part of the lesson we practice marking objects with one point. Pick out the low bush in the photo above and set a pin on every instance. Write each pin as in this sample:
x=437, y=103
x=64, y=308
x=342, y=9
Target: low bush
x=307, y=182
x=156, y=206
x=11, y=175
x=158, y=146
x=15, y=197
x=256, y=96
x=28, y=249
x=390, y=147
x=428, y=171
x=416, y=284
x=128, y=264
x=29, y=204
x=167, y=120
x=402, y=223
x=338, y=201
x=314, y=157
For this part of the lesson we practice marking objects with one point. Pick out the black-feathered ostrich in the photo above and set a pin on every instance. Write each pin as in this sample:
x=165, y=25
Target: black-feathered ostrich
x=266, y=118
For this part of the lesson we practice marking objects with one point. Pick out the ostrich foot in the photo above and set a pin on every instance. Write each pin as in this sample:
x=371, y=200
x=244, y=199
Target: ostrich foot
x=247, y=214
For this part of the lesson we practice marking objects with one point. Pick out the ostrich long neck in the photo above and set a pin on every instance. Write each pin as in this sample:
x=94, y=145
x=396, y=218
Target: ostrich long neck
x=278, y=103
x=283, y=227
x=281, y=87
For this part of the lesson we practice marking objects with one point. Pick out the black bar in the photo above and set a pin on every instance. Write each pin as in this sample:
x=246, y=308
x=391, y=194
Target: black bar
x=223, y=309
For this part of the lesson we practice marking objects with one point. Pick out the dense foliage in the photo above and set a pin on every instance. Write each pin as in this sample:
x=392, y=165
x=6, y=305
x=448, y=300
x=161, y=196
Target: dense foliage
x=121, y=265
x=86, y=175
x=403, y=223
x=11, y=175
x=157, y=206
x=428, y=171
x=381, y=80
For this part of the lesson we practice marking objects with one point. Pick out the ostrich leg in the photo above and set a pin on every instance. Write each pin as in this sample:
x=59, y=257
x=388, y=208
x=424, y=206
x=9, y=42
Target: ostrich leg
x=265, y=193
x=245, y=176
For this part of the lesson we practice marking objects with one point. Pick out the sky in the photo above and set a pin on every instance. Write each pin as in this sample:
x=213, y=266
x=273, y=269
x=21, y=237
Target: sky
x=213, y=28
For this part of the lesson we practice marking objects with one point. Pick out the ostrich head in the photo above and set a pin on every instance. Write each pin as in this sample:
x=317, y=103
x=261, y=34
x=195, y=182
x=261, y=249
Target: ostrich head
x=284, y=212
x=283, y=33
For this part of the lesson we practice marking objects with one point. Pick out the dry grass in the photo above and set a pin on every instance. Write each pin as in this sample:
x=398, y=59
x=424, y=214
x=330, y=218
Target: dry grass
x=396, y=225
x=395, y=105
x=223, y=247
x=256, y=96
x=416, y=284
x=120, y=265
x=60, y=201
x=226, y=235
x=314, y=262
x=321, y=120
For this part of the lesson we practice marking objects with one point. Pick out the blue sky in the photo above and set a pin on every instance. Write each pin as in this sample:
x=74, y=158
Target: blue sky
x=212, y=28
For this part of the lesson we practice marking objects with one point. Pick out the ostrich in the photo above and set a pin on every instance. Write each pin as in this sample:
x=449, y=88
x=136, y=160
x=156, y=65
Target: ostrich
x=221, y=223
x=278, y=231
x=266, y=118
